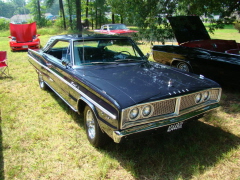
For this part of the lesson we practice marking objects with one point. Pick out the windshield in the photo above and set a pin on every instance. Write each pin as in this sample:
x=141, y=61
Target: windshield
x=117, y=26
x=105, y=51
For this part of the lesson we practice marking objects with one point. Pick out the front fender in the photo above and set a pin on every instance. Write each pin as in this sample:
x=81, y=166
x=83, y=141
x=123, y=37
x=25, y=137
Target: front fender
x=106, y=124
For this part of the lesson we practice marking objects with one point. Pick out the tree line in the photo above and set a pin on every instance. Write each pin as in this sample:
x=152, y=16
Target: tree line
x=147, y=15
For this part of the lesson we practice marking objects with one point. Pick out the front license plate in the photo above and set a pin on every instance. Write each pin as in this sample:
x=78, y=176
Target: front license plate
x=25, y=46
x=175, y=126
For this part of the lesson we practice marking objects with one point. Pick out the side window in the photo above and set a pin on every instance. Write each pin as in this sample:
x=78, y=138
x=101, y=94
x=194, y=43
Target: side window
x=105, y=28
x=61, y=51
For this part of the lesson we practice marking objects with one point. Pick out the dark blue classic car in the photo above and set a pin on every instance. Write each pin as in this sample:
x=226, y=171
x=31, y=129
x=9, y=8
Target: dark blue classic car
x=119, y=92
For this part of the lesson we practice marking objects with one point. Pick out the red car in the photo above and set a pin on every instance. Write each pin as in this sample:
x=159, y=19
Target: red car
x=24, y=36
x=115, y=29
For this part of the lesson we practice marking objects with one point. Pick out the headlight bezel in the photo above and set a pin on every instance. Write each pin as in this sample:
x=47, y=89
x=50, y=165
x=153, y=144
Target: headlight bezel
x=140, y=113
x=198, y=98
x=202, y=97
x=206, y=98
x=136, y=116
x=150, y=111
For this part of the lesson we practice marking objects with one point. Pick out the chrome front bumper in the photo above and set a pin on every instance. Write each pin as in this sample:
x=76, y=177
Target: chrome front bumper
x=119, y=135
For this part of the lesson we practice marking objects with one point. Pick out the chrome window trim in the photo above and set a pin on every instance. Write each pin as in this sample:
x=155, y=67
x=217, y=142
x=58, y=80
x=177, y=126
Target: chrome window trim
x=76, y=89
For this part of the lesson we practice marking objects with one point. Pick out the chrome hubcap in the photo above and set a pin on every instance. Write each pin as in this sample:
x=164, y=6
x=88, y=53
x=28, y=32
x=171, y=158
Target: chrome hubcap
x=183, y=67
x=90, y=123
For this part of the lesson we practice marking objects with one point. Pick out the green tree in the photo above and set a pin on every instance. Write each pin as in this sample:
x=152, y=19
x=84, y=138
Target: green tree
x=199, y=7
x=78, y=14
x=19, y=7
x=49, y=4
x=118, y=7
x=10, y=8
x=37, y=9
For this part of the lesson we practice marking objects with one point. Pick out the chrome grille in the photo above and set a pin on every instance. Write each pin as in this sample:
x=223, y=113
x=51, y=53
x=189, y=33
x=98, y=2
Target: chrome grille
x=214, y=94
x=171, y=107
x=164, y=107
x=187, y=101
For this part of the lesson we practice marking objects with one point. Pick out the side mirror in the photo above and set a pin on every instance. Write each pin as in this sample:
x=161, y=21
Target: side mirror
x=147, y=55
x=65, y=62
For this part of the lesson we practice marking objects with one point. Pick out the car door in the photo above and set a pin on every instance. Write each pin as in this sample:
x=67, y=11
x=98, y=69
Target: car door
x=55, y=57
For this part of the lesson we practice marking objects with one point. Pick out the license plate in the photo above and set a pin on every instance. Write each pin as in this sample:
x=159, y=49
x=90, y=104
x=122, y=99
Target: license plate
x=25, y=46
x=174, y=127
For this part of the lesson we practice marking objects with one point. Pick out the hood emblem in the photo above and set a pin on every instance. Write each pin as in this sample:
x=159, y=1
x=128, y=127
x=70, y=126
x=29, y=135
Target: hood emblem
x=201, y=76
x=170, y=83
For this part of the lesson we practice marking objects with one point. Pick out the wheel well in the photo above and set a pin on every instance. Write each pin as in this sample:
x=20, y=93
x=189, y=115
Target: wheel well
x=81, y=106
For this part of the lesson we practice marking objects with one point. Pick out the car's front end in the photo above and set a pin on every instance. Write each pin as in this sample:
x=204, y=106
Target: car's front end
x=23, y=37
x=170, y=113
x=21, y=46
x=151, y=97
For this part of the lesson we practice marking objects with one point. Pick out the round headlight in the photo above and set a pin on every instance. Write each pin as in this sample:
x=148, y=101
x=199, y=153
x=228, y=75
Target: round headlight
x=133, y=114
x=198, y=98
x=206, y=95
x=147, y=110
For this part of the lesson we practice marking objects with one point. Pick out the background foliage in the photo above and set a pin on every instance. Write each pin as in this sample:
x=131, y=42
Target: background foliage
x=148, y=15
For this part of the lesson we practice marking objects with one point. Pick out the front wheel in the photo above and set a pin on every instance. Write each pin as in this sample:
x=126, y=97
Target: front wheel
x=94, y=134
x=183, y=66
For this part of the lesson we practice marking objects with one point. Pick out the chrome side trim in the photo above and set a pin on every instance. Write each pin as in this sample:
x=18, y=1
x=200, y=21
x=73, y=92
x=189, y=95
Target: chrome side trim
x=77, y=90
x=62, y=98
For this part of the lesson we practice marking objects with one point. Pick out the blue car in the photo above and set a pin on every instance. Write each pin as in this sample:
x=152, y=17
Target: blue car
x=119, y=92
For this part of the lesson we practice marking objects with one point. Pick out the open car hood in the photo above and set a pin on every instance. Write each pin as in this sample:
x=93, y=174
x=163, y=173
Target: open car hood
x=188, y=28
x=23, y=32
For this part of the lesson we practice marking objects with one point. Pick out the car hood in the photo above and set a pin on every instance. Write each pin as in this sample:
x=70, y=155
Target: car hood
x=23, y=32
x=134, y=83
x=188, y=28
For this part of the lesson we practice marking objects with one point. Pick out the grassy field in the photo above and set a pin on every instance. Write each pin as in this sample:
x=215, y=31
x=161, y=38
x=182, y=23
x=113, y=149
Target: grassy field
x=42, y=138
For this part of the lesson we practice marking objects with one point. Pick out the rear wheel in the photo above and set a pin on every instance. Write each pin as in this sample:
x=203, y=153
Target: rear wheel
x=94, y=134
x=183, y=66
x=41, y=82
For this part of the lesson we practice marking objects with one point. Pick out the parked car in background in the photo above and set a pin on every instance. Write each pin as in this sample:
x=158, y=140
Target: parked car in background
x=23, y=37
x=115, y=29
x=214, y=58
x=119, y=92
x=191, y=32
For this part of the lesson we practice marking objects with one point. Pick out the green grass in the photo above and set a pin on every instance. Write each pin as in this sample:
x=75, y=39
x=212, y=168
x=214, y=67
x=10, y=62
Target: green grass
x=42, y=138
x=229, y=33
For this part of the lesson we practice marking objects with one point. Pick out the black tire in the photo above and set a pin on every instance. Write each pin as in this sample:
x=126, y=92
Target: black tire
x=41, y=82
x=183, y=66
x=94, y=134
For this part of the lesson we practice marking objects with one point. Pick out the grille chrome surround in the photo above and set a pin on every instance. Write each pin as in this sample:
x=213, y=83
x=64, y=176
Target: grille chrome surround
x=171, y=107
